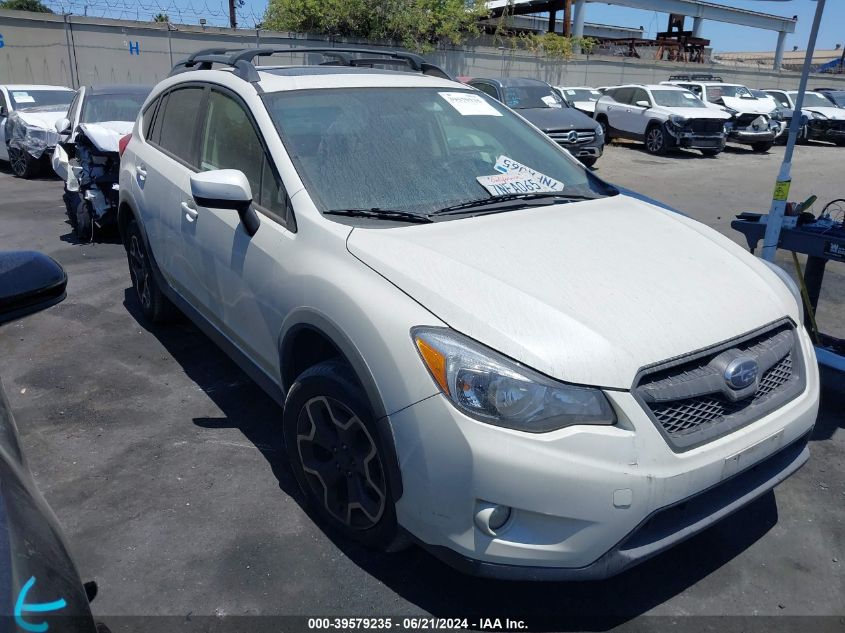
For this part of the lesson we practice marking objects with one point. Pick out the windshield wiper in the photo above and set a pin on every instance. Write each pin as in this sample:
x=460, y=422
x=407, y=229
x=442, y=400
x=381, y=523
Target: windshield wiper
x=378, y=213
x=520, y=199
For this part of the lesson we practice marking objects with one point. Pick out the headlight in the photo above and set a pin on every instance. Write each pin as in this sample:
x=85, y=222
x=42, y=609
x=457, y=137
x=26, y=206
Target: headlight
x=494, y=389
x=776, y=115
x=599, y=131
x=790, y=283
x=817, y=115
x=677, y=119
x=36, y=132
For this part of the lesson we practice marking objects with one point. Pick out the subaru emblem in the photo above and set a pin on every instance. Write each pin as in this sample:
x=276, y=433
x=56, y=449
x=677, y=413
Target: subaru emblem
x=572, y=137
x=741, y=372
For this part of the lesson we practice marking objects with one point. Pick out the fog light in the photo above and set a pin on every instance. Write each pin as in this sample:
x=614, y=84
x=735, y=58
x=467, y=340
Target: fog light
x=491, y=517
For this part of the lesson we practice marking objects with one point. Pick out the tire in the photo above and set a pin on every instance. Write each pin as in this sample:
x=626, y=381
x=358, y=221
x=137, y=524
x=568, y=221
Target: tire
x=337, y=455
x=602, y=121
x=156, y=307
x=710, y=152
x=23, y=165
x=588, y=161
x=655, y=140
x=761, y=148
x=83, y=222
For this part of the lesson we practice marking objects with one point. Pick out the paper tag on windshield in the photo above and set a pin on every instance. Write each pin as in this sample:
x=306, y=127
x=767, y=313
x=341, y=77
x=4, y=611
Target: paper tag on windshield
x=550, y=101
x=23, y=97
x=505, y=184
x=690, y=97
x=570, y=92
x=469, y=104
x=505, y=165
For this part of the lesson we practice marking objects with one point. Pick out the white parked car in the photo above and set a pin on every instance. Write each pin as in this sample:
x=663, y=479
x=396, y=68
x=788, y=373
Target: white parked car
x=753, y=120
x=663, y=117
x=86, y=157
x=477, y=342
x=581, y=98
x=27, y=117
x=821, y=120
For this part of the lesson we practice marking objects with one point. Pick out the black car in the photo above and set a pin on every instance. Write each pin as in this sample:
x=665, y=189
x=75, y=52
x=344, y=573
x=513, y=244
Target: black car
x=542, y=106
x=40, y=589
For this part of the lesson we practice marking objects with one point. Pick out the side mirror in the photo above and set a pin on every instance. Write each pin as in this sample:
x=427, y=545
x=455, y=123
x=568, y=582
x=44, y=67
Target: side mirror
x=226, y=189
x=643, y=104
x=62, y=126
x=29, y=282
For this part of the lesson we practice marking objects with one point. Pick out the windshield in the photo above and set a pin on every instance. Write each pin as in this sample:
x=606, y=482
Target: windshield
x=59, y=99
x=676, y=99
x=524, y=97
x=813, y=100
x=111, y=107
x=717, y=92
x=411, y=149
x=581, y=94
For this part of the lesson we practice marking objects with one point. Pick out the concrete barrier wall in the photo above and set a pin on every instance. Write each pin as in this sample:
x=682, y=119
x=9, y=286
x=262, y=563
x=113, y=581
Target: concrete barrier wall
x=74, y=50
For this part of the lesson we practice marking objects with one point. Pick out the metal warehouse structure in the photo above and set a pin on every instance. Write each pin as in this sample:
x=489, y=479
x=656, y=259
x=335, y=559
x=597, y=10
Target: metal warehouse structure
x=696, y=9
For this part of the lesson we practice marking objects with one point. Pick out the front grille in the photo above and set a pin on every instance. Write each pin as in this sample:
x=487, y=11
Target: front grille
x=745, y=119
x=562, y=136
x=706, y=126
x=691, y=403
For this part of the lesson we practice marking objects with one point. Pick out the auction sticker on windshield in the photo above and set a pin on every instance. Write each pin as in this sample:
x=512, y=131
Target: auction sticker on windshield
x=469, y=104
x=23, y=97
x=505, y=165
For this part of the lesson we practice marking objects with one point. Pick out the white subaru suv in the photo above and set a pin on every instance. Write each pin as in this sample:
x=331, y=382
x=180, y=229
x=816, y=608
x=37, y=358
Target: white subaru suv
x=479, y=345
x=663, y=117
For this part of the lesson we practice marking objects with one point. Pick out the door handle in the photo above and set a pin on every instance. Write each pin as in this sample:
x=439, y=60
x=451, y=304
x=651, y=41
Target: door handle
x=190, y=212
x=142, y=172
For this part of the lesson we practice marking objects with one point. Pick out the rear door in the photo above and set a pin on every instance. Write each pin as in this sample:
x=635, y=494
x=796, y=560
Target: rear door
x=616, y=109
x=163, y=168
x=245, y=278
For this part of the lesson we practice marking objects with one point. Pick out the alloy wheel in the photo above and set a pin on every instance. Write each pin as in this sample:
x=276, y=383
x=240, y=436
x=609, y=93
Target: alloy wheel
x=17, y=159
x=140, y=271
x=654, y=140
x=341, y=463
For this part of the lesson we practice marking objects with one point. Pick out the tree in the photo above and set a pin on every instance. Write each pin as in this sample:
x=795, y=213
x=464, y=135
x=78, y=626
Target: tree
x=161, y=17
x=417, y=24
x=26, y=5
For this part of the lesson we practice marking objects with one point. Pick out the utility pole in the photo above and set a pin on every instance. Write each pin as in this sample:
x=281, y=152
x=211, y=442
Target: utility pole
x=567, y=13
x=233, y=20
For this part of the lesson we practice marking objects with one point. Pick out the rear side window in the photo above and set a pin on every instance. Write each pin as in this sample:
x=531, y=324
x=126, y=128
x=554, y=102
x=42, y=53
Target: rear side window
x=149, y=118
x=179, y=123
x=486, y=88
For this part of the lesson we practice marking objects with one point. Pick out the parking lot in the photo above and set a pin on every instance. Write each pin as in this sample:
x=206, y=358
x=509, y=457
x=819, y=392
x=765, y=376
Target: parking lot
x=161, y=458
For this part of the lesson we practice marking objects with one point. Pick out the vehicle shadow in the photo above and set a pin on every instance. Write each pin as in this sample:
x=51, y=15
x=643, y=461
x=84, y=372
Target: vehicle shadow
x=419, y=577
x=45, y=174
x=674, y=153
x=832, y=409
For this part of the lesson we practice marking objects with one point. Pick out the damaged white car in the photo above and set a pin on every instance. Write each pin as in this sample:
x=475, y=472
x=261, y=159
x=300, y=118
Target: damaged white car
x=27, y=114
x=87, y=158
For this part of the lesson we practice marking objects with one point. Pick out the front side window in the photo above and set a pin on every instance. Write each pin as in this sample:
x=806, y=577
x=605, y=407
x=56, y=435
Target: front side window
x=46, y=99
x=714, y=93
x=486, y=89
x=676, y=99
x=410, y=149
x=113, y=107
x=781, y=98
x=178, y=122
x=623, y=95
x=640, y=95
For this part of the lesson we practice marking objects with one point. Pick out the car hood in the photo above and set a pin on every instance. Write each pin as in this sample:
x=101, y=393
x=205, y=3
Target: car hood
x=748, y=106
x=44, y=119
x=107, y=134
x=585, y=106
x=837, y=114
x=558, y=119
x=700, y=113
x=586, y=292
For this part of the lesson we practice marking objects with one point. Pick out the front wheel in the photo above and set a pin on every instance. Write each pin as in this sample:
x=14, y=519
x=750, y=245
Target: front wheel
x=23, y=165
x=588, y=161
x=655, y=140
x=605, y=128
x=760, y=148
x=83, y=222
x=337, y=455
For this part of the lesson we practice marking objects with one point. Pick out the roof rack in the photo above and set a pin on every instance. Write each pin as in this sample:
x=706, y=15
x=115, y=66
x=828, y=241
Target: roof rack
x=242, y=60
x=695, y=78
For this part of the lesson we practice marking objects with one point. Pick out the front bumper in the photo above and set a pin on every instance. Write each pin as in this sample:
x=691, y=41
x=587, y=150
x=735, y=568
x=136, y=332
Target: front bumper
x=587, y=501
x=692, y=141
x=826, y=130
x=748, y=137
